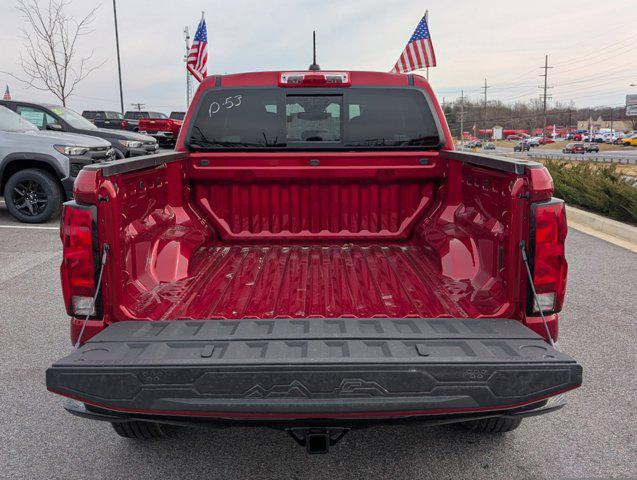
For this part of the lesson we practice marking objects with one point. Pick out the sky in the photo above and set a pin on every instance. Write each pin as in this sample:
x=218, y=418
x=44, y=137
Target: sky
x=592, y=45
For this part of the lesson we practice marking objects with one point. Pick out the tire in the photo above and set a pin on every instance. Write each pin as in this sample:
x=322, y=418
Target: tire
x=139, y=430
x=492, y=425
x=33, y=195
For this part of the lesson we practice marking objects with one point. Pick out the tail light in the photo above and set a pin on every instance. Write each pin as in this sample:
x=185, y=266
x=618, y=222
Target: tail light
x=549, y=267
x=79, y=258
x=123, y=124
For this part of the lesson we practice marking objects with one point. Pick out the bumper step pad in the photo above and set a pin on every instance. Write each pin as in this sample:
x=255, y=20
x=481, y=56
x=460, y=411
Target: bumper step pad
x=314, y=367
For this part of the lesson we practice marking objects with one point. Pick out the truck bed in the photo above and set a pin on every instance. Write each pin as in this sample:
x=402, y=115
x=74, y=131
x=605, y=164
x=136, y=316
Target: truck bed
x=269, y=281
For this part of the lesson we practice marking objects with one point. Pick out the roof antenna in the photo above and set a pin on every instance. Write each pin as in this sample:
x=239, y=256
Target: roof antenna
x=314, y=65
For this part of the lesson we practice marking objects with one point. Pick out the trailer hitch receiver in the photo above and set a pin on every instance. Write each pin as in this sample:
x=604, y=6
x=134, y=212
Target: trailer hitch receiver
x=317, y=440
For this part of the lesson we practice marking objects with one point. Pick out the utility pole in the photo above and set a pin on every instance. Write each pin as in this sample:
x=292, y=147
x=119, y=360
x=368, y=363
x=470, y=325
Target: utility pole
x=611, y=123
x=485, y=107
x=546, y=87
x=570, y=120
x=119, y=64
x=462, y=118
x=138, y=106
x=590, y=132
x=188, y=84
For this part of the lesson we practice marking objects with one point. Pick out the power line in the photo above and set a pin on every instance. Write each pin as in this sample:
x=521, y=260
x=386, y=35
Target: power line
x=602, y=52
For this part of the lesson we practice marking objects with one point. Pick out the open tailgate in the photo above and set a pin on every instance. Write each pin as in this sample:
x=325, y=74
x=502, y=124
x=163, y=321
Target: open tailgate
x=314, y=367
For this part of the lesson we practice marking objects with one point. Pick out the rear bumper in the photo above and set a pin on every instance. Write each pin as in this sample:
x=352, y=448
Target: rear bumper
x=82, y=410
x=314, y=369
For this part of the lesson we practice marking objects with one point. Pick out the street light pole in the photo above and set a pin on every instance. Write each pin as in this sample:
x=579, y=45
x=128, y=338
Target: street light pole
x=119, y=65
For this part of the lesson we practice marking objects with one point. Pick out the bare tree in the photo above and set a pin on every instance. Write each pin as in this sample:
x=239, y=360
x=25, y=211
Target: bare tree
x=50, y=60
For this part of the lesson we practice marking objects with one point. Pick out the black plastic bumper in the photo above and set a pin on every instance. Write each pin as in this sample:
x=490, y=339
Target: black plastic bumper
x=315, y=368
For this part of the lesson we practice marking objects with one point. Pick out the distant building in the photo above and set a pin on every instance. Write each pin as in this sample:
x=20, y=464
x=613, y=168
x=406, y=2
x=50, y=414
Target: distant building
x=618, y=125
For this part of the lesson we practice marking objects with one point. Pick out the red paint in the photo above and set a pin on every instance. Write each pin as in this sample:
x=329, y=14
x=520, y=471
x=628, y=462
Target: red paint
x=537, y=325
x=93, y=327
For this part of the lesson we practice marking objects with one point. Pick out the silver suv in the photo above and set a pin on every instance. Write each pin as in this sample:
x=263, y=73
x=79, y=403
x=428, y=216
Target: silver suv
x=38, y=168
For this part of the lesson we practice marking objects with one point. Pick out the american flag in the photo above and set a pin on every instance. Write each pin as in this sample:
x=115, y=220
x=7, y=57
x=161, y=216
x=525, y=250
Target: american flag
x=198, y=53
x=419, y=52
x=7, y=95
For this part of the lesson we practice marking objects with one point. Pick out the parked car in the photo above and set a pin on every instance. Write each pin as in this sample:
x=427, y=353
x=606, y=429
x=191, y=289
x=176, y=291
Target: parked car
x=522, y=146
x=37, y=169
x=62, y=119
x=545, y=141
x=513, y=137
x=177, y=115
x=591, y=147
x=574, y=148
x=489, y=146
x=162, y=128
x=534, y=141
x=596, y=137
x=248, y=279
x=630, y=141
x=106, y=119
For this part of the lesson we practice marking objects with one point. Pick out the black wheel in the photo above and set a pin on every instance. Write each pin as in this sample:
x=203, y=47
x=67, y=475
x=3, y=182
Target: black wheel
x=492, y=425
x=32, y=195
x=138, y=430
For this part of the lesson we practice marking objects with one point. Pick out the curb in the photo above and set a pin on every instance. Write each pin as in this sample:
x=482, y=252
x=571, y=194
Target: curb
x=612, y=231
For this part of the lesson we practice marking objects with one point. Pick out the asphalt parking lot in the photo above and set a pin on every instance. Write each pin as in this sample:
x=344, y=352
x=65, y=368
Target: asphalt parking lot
x=594, y=436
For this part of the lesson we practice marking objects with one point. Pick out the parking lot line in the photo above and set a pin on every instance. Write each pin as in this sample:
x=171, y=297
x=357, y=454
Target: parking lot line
x=30, y=227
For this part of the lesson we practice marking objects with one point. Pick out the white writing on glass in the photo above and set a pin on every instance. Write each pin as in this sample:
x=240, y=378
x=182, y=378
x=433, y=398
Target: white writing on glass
x=230, y=102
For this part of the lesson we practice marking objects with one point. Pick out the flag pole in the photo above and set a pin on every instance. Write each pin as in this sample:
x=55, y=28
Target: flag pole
x=427, y=23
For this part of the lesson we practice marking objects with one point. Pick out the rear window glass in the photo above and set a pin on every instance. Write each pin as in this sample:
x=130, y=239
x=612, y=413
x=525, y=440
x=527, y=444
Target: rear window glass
x=313, y=118
x=353, y=118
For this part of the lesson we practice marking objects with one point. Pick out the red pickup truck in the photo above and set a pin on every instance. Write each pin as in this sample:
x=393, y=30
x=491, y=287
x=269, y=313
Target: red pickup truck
x=314, y=257
x=161, y=127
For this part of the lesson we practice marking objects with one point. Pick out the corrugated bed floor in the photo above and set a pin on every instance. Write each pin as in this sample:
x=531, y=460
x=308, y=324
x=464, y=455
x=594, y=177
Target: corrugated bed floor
x=319, y=281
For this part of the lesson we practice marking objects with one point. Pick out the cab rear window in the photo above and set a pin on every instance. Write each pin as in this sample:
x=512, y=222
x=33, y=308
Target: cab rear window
x=351, y=118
